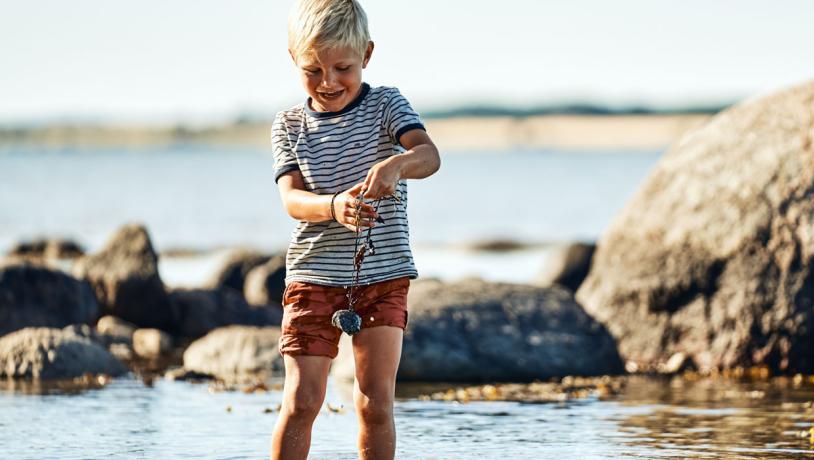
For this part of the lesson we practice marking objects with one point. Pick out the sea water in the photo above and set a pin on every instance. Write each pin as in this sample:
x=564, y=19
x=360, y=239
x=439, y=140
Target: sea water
x=205, y=197
x=651, y=418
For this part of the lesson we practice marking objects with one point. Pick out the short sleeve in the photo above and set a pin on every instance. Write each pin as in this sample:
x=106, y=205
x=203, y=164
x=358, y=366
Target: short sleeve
x=399, y=117
x=285, y=160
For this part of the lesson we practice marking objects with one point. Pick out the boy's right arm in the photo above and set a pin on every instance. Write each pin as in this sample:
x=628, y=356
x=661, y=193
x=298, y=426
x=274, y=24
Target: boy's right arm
x=310, y=207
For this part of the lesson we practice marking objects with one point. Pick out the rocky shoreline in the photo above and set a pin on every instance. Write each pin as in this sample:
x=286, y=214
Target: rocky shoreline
x=708, y=271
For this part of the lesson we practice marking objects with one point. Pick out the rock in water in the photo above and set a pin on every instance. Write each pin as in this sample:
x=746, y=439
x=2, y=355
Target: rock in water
x=201, y=310
x=474, y=331
x=115, y=330
x=567, y=265
x=235, y=267
x=47, y=248
x=151, y=343
x=35, y=296
x=124, y=276
x=45, y=353
x=713, y=255
x=236, y=353
x=265, y=283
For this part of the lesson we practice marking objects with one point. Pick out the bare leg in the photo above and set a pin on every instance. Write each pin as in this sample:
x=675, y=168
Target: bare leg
x=303, y=393
x=377, y=352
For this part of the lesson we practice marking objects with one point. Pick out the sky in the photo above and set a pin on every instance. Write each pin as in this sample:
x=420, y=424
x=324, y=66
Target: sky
x=175, y=60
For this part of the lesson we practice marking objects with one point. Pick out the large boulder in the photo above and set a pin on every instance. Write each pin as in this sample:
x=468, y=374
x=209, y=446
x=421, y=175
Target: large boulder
x=201, y=310
x=236, y=354
x=124, y=276
x=36, y=296
x=474, y=331
x=567, y=265
x=48, y=353
x=265, y=283
x=712, y=257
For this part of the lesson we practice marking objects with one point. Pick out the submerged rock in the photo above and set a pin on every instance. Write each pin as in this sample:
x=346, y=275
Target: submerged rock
x=713, y=257
x=236, y=354
x=46, y=353
x=568, y=388
x=474, y=331
x=124, y=276
x=567, y=265
x=36, y=296
x=202, y=310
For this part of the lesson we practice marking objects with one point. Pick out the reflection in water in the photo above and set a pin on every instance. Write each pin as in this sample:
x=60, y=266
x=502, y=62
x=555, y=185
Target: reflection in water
x=724, y=418
x=648, y=418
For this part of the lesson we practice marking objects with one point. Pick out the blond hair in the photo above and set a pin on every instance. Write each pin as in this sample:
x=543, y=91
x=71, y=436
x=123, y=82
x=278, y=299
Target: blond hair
x=314, y=25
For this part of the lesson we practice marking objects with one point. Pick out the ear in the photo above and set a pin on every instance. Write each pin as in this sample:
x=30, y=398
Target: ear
x=368, y=53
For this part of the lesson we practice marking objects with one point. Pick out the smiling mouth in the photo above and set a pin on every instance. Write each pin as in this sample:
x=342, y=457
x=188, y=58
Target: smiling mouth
x=332, y=95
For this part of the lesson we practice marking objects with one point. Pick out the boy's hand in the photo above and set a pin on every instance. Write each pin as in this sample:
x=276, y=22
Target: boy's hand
x=382, y=178
x=345, y=209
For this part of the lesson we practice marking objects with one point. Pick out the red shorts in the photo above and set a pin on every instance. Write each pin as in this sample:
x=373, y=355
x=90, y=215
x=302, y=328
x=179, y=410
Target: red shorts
x=308, y=308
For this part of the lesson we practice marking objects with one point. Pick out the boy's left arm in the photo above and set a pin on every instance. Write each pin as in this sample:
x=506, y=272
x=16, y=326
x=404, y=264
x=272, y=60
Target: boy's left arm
x=419, y=161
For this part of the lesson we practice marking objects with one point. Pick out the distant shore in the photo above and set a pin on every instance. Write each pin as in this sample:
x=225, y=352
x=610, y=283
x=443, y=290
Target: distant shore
x=564, y=132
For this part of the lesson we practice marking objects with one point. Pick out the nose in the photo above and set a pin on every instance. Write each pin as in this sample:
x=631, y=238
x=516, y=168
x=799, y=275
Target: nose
x=328, y=79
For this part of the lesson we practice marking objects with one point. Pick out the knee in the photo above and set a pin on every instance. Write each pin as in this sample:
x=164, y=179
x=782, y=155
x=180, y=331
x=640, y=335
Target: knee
x=302, y=405
x=375, y=409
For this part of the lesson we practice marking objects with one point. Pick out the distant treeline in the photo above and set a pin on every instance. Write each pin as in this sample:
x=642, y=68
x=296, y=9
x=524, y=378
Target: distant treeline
x=570, y=109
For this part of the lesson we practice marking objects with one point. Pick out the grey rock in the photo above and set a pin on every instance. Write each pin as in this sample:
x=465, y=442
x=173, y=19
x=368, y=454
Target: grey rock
x=712, y=257
x=151, y=343
x=202, y=310
x=115, y=330
x=235, y=267
x=36, y=296
x=265, y=283
x=53, y=248
x=236, y=354
x=567, y=265
x=48, y=353
x=179, y=373
x=125, y=279
x=121, y=351
x=473, y=331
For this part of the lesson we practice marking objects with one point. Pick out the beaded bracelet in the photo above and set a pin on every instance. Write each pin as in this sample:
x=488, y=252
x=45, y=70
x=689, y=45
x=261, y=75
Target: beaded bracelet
x=333, y=213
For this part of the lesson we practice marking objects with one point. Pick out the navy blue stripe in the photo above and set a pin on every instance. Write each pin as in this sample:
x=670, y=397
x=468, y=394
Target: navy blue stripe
x=356, y=101
x=323, y=251
x=339, y=157
x=351, y=238
x=345, y=281
x=406, y=128
x=284, y=170
x=347, y=251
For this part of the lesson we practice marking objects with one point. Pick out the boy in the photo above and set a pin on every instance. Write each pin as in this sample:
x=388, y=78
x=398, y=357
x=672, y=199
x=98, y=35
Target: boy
x=347, y=139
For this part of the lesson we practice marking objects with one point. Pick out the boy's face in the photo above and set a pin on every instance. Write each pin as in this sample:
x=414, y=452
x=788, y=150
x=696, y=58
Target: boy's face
x=333, y=76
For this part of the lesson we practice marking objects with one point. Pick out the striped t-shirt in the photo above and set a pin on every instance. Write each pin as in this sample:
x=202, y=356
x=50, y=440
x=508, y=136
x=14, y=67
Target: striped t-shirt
x=334, y=151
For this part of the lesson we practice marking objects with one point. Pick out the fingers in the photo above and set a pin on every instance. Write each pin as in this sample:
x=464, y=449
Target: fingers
x=365, y=220
x=357, y=189
x=350, y=208
x=377, y=191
